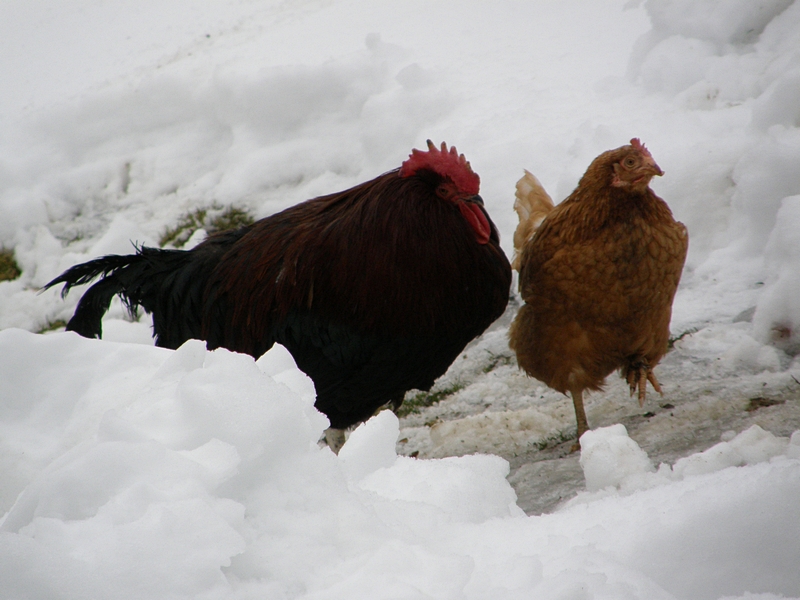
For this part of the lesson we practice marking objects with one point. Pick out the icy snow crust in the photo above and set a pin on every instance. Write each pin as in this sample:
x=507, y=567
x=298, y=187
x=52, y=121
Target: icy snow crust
x=129, y=471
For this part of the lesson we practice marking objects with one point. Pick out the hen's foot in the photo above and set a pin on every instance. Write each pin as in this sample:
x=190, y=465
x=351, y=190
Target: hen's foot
x=637, y=373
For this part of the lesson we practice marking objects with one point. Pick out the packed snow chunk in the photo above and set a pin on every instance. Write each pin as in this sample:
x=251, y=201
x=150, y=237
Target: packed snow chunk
x=371, y=446
x=105, y=502
x=218, y=458
x=192, y=400
x=676, y=63
x=710, y=55
x=279, y=364
x=719, y=21
x=756, y=445
x=778, y=104
x=721, y=534
x=609, y=457
x=120, y=330
x=749, y=596
x=276, y=361
x=56, y=390
x=765, y=175
x=752, y=446
x=732, y=349
x=399, y=569
x=794, y=446
x=144, y=442
x=748, y=355
x=777, y=317
x=122, y=236
x=467, y=489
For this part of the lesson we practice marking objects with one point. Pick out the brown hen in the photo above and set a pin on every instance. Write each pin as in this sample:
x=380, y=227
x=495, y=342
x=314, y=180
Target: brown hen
x=598, y=278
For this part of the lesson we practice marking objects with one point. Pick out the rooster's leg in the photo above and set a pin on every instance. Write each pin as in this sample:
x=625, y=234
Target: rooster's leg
x=335, y=439
x=580, y=416
x=638, y=373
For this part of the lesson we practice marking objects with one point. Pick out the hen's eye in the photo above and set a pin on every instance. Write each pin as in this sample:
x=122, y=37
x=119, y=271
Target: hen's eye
x=630, y=162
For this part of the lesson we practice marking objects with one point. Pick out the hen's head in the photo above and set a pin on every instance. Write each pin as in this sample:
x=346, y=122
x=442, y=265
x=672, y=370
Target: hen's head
x=632, y=166
x=453, y=181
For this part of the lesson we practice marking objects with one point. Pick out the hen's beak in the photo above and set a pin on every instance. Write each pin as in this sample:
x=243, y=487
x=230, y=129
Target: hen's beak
x=653, y=168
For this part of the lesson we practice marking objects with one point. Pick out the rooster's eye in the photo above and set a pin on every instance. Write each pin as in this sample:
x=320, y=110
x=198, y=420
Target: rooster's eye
x=443, y=192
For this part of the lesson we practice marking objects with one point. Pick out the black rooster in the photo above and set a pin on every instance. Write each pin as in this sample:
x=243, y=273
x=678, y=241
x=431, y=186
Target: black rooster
x=374, y=290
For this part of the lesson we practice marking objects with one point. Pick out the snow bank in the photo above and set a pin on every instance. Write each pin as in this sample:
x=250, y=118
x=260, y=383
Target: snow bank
x=117, y=166
x=131, y=471
x=734, y=66
x=688, y=544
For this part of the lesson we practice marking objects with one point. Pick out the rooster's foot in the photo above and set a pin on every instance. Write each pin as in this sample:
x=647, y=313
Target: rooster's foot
x=334, y=438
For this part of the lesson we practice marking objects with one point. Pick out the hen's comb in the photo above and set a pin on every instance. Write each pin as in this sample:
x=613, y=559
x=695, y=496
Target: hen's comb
x=447, y=163
x=640, y=147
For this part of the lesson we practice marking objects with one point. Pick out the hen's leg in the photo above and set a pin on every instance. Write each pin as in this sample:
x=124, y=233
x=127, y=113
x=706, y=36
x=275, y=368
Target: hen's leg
x=637, y=373
x=580, y=417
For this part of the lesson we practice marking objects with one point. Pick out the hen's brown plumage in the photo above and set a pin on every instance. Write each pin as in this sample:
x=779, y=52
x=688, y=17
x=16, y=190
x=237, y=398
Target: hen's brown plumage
x=598, y=278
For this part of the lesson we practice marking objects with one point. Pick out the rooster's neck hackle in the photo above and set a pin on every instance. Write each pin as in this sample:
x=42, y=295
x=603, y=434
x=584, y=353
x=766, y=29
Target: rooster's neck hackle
x=446, y=163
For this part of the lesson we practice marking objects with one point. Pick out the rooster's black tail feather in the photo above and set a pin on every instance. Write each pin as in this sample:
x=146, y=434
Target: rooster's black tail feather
x=162, y=282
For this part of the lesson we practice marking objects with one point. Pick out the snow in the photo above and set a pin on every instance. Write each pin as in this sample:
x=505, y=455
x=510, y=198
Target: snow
x=149, y=473
x=609, y=456
x=130, y=471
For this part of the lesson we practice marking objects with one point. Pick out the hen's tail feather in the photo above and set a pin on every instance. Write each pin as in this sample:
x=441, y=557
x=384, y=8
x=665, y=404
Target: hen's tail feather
x=532, y=205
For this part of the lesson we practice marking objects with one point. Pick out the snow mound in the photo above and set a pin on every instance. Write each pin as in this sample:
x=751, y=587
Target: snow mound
x=609, y=456
x=613, y=461
x=130, y=471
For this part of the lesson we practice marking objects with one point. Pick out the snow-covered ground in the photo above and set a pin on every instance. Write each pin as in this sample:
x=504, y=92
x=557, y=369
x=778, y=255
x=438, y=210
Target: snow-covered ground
x=129, y=471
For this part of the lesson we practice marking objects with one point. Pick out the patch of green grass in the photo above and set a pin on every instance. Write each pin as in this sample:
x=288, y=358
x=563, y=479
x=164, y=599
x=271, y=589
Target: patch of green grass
x=9, y=269
x=671, y=342
x=497, y=360
x=422, y=400
x=556, y=439
x=755, y=403
x=230, y=218
x=213, y=219
x=187, y=225
x=52, y=325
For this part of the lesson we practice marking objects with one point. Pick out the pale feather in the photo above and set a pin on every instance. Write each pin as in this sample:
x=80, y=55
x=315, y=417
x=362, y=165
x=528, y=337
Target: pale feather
x=532, y=205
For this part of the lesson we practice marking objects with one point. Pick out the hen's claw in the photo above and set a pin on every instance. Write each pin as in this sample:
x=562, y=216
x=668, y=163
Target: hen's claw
x=637, y=375
x=651, y=377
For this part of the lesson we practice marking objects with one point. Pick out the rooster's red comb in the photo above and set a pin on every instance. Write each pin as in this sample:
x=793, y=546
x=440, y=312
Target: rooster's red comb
x=640, y=147
x=447, y=163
